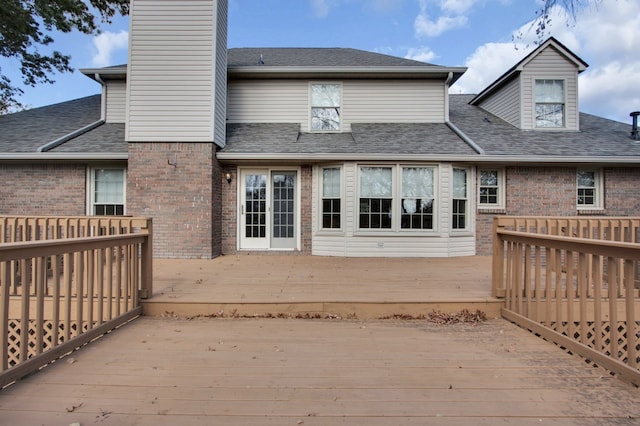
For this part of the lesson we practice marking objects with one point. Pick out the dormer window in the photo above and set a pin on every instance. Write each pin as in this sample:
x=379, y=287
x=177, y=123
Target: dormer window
x=325, y=107
x=549, y=96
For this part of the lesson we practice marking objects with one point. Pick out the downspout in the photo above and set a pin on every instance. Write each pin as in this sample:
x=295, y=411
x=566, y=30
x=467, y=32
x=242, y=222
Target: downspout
x=465, y=138
x=103, y=104
x=452, y=126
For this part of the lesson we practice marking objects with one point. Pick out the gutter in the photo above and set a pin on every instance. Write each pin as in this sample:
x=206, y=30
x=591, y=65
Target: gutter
x=61, y=156
x=103, y=106
x=503, y=159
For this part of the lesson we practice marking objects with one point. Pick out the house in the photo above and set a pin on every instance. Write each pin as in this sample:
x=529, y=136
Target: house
x=323, y=151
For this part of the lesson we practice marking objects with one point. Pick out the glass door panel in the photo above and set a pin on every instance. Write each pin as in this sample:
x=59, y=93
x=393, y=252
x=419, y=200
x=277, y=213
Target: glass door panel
x=254, y=214
x=283, y=212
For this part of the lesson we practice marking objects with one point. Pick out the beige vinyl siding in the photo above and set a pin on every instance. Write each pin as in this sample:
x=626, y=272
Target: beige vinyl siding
x=363, y=101
x=393, y=101
x=220, y=118
x=171, y=71
x=506, y=103
x=116, y=101
x=267, y=101
x=550, y=64
x=348, y=242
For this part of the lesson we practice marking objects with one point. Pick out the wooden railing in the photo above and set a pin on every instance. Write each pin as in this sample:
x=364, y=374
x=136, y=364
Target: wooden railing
x=581, y=293
x=66, y=281
x=622, y=229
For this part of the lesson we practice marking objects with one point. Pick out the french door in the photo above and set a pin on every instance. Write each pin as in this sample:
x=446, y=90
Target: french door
x=268, y=209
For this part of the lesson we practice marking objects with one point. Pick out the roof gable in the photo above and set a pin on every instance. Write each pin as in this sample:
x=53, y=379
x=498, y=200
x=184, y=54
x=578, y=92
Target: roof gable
x=550, y=43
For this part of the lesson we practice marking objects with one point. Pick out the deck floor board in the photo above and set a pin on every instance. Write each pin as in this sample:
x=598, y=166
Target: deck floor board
x=203, y=371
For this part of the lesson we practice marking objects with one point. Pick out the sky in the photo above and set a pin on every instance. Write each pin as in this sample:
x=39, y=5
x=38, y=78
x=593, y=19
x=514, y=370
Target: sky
x=486, y=36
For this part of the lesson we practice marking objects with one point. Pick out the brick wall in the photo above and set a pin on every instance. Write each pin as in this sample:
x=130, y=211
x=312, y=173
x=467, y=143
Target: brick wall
x=551, y=191
x=184, y=201
x=230, y=210
x=43, y=189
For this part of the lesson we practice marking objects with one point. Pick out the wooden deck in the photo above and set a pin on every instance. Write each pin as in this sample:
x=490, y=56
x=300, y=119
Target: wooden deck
x=249, y=285
x=169, y=371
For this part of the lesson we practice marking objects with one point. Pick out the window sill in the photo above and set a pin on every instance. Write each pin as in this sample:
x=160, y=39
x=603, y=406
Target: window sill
x=592, y=212
x=492, y=210
x=401, y=233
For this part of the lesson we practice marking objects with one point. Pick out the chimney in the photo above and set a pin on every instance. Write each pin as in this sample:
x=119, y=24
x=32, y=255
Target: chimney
x=635, y=135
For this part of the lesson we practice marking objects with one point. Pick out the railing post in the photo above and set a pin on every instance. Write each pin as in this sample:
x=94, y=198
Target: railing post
x=146, y=267
x=497, y=281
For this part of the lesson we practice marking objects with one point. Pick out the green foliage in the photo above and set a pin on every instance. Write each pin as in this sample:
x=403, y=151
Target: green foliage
x=27, y=25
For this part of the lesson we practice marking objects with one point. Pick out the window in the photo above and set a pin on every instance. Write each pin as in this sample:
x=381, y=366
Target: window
x=376, y=198
x=325, y=107
x=417, y=198
x=549, y=96
x=491, y=188
x=397, y=198
x=459, y=217
x=331, y=192
x=588, y=189
x=108, y=191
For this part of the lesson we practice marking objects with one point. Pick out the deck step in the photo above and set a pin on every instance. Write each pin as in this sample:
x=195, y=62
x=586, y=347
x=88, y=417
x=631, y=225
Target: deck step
x=355, y=309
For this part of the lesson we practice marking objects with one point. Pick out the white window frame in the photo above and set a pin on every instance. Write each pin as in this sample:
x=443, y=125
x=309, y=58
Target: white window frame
x=467, y=200
x=563, y=125
x=396, y=201
x=500, y=204
x=322, y=197
x=598, y=189
x=311, y=106
x=91, y=187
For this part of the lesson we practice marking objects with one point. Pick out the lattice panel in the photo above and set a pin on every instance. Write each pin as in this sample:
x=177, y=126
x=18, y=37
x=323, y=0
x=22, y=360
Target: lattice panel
x=15, y=332
x=605, y=338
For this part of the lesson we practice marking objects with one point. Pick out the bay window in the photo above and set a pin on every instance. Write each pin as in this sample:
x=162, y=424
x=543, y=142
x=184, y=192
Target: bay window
x=397, y=198
x=417, y=198
x=376, y=197
x=331, y=198
x=460, y=200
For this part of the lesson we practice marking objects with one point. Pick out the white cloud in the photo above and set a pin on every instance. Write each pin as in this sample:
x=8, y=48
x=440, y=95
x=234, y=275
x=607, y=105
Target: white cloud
x=106, y=44
x=425, y=27
x=487, y=63
x=423, y=54
x=606, y=36
x=457, y=6
x=320, y=8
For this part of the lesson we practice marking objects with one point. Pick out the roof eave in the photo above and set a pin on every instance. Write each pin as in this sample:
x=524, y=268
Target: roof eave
x=110, y=73
x=436, y=72
x=63, y=156
x=228, y=157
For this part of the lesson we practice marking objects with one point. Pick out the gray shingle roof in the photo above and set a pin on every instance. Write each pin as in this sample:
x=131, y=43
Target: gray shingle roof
x=25, y=131
x=598, y=137
x=380, y=138
x=108, y=137
x=315, y=57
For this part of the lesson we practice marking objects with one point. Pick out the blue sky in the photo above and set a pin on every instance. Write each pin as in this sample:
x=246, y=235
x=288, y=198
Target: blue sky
x=477, y=34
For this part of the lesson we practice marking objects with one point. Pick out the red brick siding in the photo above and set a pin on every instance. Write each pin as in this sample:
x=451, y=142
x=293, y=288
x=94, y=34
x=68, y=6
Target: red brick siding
x=622, y=191
x=551, y=191
x=43, y=189
x=230, y=210
x=184, y=201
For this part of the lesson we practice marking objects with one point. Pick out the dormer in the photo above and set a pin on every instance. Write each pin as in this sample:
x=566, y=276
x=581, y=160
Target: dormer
x=540, y=92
